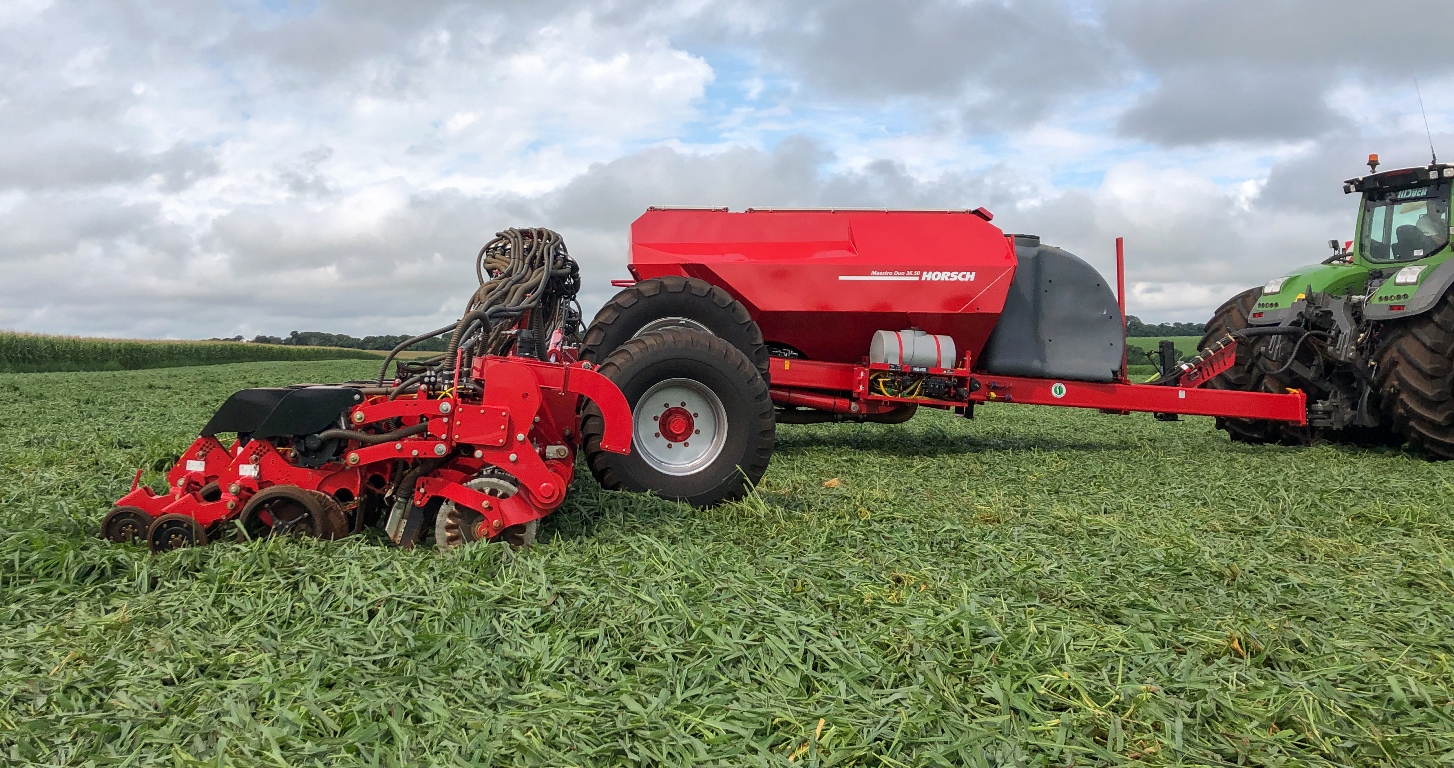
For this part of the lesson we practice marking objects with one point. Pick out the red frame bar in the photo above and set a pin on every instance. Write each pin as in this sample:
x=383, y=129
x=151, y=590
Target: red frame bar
x=1290, y=407
x=811, y=374
x=842, y=382
x=1121, y=300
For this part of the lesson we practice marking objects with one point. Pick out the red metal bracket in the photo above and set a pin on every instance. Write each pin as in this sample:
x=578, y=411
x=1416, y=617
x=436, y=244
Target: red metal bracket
x=499, y=513
x=1210, y=366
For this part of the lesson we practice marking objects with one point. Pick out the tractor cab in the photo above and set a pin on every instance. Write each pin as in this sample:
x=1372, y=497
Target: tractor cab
x=1401, y=243
x=1405, y=213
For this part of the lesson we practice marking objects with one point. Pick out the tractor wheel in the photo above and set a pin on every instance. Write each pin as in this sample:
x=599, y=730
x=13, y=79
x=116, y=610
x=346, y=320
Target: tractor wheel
x=1415, y=366
x=1244, y=375
x=674, y=302
x=125, y=525
x=287, y=510
x=702, y=421
x=175, y=531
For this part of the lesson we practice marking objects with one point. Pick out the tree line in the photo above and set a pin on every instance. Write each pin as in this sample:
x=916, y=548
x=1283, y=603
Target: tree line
x=1134, y=327
x=321, y=339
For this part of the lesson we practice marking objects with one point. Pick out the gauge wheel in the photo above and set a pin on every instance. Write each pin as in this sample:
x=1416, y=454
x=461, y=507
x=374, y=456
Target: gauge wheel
x=287, y=510
x=174, y=531
x=126, y=525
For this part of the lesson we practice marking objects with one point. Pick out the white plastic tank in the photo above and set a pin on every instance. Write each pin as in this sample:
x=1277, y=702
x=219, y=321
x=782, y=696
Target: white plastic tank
x=912, y=349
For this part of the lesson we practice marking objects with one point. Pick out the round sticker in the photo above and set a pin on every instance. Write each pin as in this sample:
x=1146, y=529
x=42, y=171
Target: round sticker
x=1057, y=390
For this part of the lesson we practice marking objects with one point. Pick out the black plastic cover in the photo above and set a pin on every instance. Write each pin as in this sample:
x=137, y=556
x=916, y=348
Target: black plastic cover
x=245, y=410
x=282, y=411
x=1060, y=321
x=308, y=410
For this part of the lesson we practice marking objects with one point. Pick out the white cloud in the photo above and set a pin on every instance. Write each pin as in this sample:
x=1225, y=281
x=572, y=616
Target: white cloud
x=179, y=168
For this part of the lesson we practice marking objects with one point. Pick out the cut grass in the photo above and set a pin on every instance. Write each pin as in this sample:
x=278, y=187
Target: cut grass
x=1036, y=586
x=35, y=353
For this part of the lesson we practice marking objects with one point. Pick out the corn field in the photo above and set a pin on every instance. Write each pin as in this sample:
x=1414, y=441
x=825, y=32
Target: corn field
x=34, y=353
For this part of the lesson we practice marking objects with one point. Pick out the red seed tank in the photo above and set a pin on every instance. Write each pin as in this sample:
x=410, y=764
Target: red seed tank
x=823, y=281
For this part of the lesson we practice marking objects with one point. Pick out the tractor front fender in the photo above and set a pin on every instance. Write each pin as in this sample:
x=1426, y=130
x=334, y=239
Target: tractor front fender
x=1430, y=290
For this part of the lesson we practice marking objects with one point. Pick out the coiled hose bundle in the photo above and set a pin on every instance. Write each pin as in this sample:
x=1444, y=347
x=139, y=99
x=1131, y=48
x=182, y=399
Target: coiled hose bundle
x=521, y=271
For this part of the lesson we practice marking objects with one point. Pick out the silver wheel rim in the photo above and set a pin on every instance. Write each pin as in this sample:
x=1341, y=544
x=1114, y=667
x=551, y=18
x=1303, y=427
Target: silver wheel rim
x=674, y=322
x=673, y=451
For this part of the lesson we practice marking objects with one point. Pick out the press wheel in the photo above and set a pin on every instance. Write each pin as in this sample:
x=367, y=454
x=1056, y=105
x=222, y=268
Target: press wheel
x=125, y=525
x=458, y=525
x=175, y=531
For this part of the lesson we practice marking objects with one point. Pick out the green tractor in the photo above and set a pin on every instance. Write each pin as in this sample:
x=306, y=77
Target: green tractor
x=1368, y=334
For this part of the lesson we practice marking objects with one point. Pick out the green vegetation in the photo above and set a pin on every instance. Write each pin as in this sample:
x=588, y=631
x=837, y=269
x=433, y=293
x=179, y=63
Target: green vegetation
x=1141, y=352
x=1136, y=328
x=1034, y=587
x=1186, y=346
x=34, y=353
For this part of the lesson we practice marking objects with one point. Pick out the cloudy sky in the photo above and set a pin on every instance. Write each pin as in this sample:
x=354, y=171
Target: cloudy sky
x=194, y=168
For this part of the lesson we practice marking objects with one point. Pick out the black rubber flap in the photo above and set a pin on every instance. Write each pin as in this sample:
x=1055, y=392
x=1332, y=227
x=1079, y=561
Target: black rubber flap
x=1060, y=321
x=245, y=411
x=306, y=411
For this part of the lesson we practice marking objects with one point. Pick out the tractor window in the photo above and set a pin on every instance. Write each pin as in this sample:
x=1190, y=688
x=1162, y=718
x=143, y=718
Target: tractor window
x=1405, y=224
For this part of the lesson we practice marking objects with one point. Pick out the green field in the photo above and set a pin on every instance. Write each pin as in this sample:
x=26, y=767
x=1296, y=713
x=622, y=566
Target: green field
x=1034, y=587
x=36, y=353
x=1185, y=345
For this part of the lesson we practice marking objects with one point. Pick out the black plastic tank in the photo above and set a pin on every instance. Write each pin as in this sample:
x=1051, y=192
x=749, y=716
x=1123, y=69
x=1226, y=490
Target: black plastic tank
x=1061, y=319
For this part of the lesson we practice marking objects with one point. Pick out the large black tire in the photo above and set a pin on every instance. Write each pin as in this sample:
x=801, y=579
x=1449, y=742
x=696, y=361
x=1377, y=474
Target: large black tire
x=674, y=301
x=1244, y=375
x=1416, y=379
x=705, y=389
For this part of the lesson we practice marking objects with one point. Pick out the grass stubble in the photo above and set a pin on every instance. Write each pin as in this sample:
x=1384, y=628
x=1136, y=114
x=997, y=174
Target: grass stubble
x=1034, y=587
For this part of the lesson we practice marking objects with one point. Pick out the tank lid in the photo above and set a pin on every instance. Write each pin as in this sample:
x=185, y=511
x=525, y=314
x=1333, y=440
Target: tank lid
x=1029, y=241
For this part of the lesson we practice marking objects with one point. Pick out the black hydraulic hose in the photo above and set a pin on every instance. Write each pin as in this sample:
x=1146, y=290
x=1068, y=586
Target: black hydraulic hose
x=409, y=382
x=407, y=343
x=460, y=329
x=1292, y=358
x=1268, y=330
x=516, y=294
x=405, y=488
x=367, y=439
